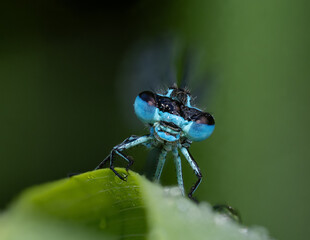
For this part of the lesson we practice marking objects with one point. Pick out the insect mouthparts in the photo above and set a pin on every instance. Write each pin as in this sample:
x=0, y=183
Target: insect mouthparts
x=170, y=125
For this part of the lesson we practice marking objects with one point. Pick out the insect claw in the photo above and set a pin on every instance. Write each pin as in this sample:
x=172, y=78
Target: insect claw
x=121, y=177
x=124, y=178
x=190, y=196
x=117, y=174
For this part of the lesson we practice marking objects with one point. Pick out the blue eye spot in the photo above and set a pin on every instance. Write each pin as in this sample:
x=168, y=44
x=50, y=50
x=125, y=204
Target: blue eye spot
x=199, y=132
x=145, y=106
x=201, y=128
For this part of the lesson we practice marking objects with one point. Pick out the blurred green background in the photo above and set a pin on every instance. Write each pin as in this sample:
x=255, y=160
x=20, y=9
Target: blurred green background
x=65, y=100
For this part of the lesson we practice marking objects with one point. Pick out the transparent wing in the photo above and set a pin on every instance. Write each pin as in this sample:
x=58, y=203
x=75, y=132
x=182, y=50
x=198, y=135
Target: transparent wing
x=148, y=65
x=156, y=64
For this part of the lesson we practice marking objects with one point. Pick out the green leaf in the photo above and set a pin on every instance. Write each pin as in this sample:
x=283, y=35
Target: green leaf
x=98, y=205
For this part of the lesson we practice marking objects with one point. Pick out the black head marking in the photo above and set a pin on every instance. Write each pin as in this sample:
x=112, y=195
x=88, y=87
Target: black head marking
x=177, y=104
x=180, y=95
x=166, y=104
x=193, y=114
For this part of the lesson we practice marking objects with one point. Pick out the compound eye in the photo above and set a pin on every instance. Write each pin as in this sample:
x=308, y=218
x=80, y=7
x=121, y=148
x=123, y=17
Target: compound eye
x=205, y=118
x=201, y=127
x=145, y=106
x=148, y=97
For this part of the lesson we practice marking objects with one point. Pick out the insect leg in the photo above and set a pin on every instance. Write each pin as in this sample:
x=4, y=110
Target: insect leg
x=126, y=144
x=127, y=158
x=195, y=167
x=161, y=162
x=178, y=167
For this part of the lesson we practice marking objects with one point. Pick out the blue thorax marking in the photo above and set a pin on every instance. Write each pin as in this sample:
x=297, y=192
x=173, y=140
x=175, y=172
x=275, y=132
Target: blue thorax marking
x=168, y=93
x=188, y=104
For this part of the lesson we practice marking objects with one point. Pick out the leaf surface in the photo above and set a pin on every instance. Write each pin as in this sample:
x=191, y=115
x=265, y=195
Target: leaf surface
x=98, y=205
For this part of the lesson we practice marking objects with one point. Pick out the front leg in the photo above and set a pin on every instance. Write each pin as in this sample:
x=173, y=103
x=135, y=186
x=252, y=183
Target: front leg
x=126, y=144
x=196, y=169
x=160, y=165
x=178, y=167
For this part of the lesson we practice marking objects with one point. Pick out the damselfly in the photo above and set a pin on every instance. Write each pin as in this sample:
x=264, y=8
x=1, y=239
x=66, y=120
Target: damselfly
x=174, y=124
